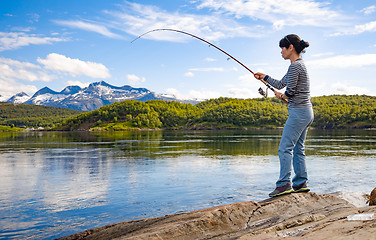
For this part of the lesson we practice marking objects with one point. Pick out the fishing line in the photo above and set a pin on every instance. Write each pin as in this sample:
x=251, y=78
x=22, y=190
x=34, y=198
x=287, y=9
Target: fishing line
x=211, y=44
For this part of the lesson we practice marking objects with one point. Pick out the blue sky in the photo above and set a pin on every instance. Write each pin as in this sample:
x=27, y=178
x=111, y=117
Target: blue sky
x=75, y=42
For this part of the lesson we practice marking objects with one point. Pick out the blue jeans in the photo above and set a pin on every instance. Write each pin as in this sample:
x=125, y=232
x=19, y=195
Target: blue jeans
x=291, y=147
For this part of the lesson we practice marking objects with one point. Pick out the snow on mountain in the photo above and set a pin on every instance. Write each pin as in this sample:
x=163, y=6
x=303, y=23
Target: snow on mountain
x=99, y=94
x=45, y=96
x=90, y=98
x=45, y=90
x=71, y=90
x=19, y=98
x=45, y=99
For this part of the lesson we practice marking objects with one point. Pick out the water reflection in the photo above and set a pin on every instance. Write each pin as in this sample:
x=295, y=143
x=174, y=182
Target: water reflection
x=342, y=143
x=208, y=143
x=57, y=183
x=38, y=182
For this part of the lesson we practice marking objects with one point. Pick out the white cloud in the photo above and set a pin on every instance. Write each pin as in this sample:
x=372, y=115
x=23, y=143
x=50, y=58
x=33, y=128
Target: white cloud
x=246, y=88
x=12, y=70
x=279, y=13
x=14, y=40
x=243, y=93
x=34, y=17
x=341, y=88
x=358, y=29
x=210, y=59
x=77, y=83
x=279, y=24
x=74, y=67
x=323, y=54
x=175, y=93
x=212, y=69
x=137, y=19
x=368, y=10
x=344, y=61
x=89, y=27
x=203, y=94
x=368, y=27
x=133, y=79
x=189, y=74
x=12, y=87
x=22, y=29
x=199, y=95
x=15, y=73
x=247, y=80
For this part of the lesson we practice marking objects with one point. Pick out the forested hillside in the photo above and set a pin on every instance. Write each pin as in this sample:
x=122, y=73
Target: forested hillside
x=339, y=111
x=336, y=111
x=25, y=115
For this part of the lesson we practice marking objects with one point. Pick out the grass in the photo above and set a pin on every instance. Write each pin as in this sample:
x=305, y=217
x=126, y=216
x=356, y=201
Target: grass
x=10, y=129
x=117, y=126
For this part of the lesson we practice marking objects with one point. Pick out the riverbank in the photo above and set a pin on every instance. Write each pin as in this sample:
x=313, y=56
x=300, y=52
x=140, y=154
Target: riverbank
x=10, y=129
x=294, y=216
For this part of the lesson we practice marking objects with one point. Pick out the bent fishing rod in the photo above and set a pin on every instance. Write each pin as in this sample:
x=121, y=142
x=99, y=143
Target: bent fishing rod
x=261, y=91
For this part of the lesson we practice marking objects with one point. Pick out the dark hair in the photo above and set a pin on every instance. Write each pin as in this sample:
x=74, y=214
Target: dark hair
x=295, y=40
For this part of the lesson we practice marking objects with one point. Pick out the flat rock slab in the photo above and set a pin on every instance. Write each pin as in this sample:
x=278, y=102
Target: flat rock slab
x=294, y=216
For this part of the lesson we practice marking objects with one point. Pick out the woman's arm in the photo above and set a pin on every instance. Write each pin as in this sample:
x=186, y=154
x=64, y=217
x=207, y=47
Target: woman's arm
x=279, y=84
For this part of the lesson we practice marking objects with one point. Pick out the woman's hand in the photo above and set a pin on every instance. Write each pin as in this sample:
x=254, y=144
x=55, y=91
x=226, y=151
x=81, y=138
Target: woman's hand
x=281, y=96
x=259, y=75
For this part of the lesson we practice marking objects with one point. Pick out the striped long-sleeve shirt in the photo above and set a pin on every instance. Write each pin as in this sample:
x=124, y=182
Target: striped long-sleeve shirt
x=297, y=85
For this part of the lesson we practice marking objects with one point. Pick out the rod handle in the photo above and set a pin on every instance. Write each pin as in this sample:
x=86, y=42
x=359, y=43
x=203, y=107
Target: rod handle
x=262, y=80
x=284, y=100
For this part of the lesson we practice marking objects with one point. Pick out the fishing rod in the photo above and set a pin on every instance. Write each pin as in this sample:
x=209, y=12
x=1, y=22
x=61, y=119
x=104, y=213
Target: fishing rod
x=261, y=91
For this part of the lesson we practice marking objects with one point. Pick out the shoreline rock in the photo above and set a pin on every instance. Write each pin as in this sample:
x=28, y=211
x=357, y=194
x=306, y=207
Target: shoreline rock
x=294, y=216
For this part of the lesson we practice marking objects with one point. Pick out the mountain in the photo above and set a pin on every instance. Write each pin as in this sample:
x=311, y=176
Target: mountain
x=90, y=98
x=71, y=90
x=46, y=97
x=19, y=98
x=45, y=90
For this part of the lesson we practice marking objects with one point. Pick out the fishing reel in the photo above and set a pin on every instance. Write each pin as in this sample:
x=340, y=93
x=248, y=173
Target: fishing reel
x=263, y=93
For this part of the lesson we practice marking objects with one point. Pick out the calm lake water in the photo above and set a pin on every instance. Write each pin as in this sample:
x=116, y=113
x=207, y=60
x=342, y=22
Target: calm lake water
x=57, y=183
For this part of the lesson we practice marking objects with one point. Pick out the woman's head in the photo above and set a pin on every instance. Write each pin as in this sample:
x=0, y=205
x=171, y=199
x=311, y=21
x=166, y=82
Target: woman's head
x=299, y=44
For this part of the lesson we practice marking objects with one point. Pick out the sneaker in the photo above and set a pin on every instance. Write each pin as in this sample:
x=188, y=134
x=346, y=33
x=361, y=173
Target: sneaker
x=301, y=188
x=278, y=191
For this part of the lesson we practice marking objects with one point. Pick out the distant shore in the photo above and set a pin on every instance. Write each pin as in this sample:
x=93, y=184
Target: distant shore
x=15, y=129
x=11, y=129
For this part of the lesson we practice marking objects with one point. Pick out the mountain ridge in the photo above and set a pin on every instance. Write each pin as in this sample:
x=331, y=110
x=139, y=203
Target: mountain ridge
x=19, y=98
x=90, y=98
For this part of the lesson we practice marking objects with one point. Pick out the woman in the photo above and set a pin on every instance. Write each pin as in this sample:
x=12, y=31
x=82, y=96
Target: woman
x=291, y=147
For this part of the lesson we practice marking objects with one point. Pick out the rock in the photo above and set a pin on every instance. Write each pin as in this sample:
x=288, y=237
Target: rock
x=303, y=216
x=358, y=199
x=372, y=198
